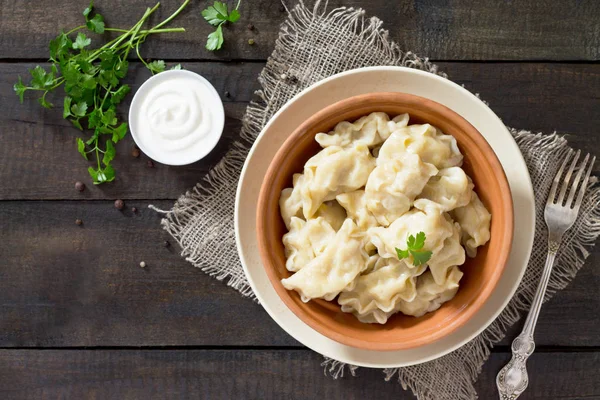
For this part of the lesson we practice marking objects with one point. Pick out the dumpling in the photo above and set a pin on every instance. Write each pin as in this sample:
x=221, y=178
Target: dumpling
x=355, y=205
x=305, y=241
x=334, y=269
x=290, y=200
x=433, y=146
x=450, y=188
x=393, y=186
x=333, y=171
x=474, y=220
x=426, y=217
x=332, y=212
x=376, y=293
x=430, y=295
x=452, y=253
x=370, y=130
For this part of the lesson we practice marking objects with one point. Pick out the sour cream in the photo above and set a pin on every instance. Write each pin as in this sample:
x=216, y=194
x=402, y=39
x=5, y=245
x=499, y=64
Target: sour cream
x=176, y=117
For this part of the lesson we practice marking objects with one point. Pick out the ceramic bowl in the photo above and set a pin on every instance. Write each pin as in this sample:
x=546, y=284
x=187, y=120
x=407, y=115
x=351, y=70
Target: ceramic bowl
x=481, y=273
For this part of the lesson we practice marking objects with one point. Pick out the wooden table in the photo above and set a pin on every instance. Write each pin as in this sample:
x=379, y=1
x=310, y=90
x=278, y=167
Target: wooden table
x=80, y=319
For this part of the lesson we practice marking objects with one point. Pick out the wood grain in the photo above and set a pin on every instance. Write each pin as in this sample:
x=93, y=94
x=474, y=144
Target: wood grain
x=65, y=285
x=41, y=160
x=247, y=374
x=441, y=30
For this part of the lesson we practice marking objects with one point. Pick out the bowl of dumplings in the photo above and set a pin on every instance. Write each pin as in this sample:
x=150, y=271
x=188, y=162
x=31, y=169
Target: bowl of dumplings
x=384, y=221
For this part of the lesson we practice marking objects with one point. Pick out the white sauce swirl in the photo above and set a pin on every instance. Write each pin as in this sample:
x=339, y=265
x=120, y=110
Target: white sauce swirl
x=176, y=117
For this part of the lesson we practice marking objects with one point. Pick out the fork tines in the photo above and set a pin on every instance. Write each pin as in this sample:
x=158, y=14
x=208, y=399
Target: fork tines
x=575, y=183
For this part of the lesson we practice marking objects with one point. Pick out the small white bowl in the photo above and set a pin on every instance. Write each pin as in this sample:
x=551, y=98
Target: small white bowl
x=197, y=149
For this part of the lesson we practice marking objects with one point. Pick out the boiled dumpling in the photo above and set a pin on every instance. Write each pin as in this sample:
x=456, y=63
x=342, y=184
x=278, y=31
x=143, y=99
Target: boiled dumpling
x=376, y=294
x=426, y=217
x=370, y=130
x=334, y=269
x=355, y=205
x=332, y=171
x=451, y=254
x=450, y=188
x=474, y=220
x=305, y=241
x=332, y=212
x=290, y=200
x=392, y=186
x=431, y=295
x=426, y=141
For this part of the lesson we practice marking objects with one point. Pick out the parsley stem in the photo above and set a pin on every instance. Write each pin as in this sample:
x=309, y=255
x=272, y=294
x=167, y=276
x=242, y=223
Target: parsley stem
x=238, y=4
x=75, y=29
x=97, y=155
x=166, y=21
x=145, y=32
x=137, y=50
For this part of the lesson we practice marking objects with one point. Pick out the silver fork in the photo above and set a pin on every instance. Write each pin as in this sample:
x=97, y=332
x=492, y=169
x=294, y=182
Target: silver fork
x=512, y=380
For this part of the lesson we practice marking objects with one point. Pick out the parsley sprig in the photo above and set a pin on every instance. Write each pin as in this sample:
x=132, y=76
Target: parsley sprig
x=415, y=249
x=217, y=15
x=92, y=82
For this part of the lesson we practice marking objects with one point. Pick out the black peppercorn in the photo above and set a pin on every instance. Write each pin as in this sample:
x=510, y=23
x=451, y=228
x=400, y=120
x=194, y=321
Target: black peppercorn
x=135, y=153
x=167, y=244
x=119, y=204
x=150, y=164
x=80, y=186
x=227, y=94
x=78, y=222
x=250, y=27
x=134, y=209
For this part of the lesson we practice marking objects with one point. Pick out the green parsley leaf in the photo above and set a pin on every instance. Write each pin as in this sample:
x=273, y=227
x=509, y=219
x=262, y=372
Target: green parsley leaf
x=79, y=109
x=67, y=107
x=419, y=240
x=415, y=249
x=215, y=40
x=20, y=89
x=81, y=148
x=88, y=10
x=109, y=153
x=119, y=132
x=420, y=257
x=41, y=79
x=60, y=46
x=234, y=16
x=76, y=123
x=45, y=103
x=213, y=16
x=401, y=253
x=102, y=175
x=119, y=94
x=221, y=9
x=121, y=68
x=109, y=117
x=176, y=67
x=217, y=15
x=81, y=41
x=96, y=24
x=157, y=66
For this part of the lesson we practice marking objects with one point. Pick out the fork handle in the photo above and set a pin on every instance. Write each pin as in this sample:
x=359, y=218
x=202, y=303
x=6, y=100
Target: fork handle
x=512, y=380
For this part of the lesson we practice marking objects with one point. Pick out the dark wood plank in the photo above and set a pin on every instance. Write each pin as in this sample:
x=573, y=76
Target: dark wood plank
x=65, y=285
x=244, y=374
x=69, y=285
x=37, y=143
x=441, y=30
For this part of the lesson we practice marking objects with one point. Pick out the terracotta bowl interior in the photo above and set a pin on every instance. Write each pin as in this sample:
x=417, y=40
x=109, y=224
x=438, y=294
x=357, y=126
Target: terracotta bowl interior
x=480, y=273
